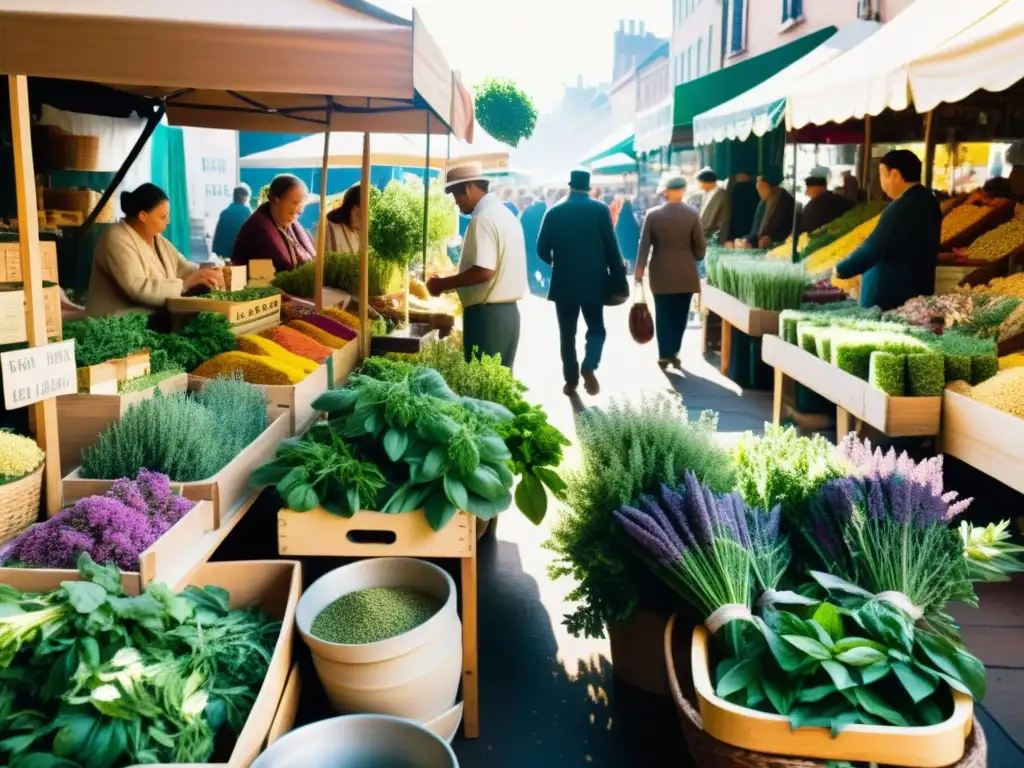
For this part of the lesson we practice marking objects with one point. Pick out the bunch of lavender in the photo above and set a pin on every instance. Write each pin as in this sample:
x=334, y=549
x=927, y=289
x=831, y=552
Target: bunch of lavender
x=889, y=535
x=116, y=527
x=701, y=546
x=875, y=464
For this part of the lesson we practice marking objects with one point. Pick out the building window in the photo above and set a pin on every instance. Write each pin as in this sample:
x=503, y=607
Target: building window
x=700, y=42
x=792, y=11
x=689, y=63
x=737, y=26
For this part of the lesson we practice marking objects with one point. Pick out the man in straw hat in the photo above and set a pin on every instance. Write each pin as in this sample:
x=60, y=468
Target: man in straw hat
x=578, y=241
x=492, y=269
x=673, y=241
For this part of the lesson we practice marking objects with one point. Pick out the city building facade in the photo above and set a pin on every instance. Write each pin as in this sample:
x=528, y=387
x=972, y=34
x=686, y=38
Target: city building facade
x=633, y=44
x=696, y=40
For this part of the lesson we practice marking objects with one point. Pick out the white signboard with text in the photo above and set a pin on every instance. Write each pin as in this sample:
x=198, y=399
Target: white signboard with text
x=38, y=373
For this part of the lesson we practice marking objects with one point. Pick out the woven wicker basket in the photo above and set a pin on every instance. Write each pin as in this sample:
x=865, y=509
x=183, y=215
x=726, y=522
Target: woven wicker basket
x=709, y=752
x=83, y=200
x=19, y=504
x=59, y=150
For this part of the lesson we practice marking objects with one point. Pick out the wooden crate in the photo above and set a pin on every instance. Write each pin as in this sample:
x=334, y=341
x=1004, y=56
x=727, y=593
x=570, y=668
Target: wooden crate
x=83, y=417
x=13, y=329
x=234, y=277
x=293, y=400
x=104, y=378
x=893, y=416
x=752, y=321
x=262, y=269
x=287, y=710
x=228, y=489
x=273, y=585
x=988, y=439
x=932, y=747
x=319, y=533
x=345, y=360
x=237, y=312
x=11, y=254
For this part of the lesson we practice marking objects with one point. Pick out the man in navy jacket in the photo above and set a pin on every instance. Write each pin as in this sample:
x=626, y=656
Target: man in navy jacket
x=578, y=241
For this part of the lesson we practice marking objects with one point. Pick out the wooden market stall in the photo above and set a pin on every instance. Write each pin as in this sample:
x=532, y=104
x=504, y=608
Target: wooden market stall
x=734, y=314
x=291, y=68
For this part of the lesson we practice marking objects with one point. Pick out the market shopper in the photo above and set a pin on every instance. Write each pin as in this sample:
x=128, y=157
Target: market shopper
x=343, y=223
x=231, y=220
x=492, y=268
x=824, y=206
x=578, y=241
x=273, y=231
x=897, y=261
x=715, y=206
x=773, y=219
x=134, y=267
x=673, y=242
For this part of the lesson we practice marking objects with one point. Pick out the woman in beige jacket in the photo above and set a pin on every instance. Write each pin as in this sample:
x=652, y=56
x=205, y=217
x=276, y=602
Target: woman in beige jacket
x=134, y=267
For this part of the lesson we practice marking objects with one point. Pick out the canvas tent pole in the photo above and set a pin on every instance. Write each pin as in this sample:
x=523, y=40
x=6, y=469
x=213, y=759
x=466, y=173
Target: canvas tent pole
x=865, y=177
x=796, y=214
x=426, y=212
x=929, y=149
x=45, y=411
x=321, y=230
x=364, y=251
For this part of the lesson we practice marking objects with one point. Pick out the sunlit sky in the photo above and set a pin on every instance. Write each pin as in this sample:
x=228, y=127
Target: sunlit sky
x=539, y=43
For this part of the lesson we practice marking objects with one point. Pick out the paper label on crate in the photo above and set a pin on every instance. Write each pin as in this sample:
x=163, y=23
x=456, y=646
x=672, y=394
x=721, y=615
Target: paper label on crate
x=254, y=310
x=38, y=373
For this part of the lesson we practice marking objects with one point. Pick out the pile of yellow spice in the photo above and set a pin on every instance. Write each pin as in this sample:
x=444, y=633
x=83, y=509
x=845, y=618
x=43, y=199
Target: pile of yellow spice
x=19, y=456
x=1004, y=391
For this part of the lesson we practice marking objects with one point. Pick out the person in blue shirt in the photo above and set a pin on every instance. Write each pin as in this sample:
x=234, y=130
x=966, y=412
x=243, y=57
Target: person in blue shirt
x=230, y=222
x=899, y=257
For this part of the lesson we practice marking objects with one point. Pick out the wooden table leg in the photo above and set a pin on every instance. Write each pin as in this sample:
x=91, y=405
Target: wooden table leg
x=780, y=381
x=842, y=424
x=470, y=659
x=726, y=346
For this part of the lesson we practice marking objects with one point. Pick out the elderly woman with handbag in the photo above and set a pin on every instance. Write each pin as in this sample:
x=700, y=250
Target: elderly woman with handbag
x=672, y=241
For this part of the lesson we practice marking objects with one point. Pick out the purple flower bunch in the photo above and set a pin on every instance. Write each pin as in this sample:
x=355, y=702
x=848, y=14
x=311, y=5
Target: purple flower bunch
x=701, y=544
x=116, y=527
x=876, y=465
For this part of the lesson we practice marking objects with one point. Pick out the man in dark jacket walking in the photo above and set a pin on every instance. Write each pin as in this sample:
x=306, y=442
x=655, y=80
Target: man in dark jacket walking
x=577, y=240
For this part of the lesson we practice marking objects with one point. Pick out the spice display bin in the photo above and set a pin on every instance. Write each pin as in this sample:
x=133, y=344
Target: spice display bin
x=926, y=747
x=295, y=401
x=228, y=489
x=985, y=438
x=735, y=314
x=318, y=533
x=83, y=417
x=854, y=397
x=273, y=585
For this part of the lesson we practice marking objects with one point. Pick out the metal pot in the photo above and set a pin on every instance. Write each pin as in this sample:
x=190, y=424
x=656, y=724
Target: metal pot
x=359, y=741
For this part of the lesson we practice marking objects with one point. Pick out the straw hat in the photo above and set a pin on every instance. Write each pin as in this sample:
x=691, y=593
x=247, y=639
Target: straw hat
x=462, y=174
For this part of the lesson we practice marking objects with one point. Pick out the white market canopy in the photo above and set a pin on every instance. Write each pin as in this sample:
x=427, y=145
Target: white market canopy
x=986, y=56
x=259, y=65
x=347, y=152
x=874, y=76
x=762, y=109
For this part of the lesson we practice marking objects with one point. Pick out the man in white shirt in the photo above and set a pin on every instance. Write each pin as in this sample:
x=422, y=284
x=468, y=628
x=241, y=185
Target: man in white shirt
x=715, y=208
x=492, y=268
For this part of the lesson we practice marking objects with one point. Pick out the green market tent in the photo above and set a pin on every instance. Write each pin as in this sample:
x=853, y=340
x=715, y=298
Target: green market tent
x=614, y=165
x=707, y=92
x=763, y=108
x=619, y=141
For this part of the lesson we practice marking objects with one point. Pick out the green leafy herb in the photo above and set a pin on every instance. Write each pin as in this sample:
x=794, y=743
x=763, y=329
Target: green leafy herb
x=245, y=294
x=505, y=111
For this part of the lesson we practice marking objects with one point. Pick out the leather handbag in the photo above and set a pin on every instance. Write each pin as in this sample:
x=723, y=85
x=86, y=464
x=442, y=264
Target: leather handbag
x=641, y=322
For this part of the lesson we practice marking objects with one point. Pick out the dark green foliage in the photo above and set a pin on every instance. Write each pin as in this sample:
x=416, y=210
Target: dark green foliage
x=246, y=294
x=341, y=271
x=100, y=339
x=958, y=368
x=186, y=438
x=983, y=367
x=504, y=111
x=97, y=679
x=887, y=372
x=926, y=374
x=626, y=450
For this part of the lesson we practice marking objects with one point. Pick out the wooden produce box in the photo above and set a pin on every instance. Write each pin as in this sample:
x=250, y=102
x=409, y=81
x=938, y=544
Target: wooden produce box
x=11, y=253
x=274, y=585
x=893, y=416
x=749, y=320
x=104, y=378
x=13, y=329
x=237, y=312
x=262, y=269
x=81, y=418
x=372, y=534
x=928, y=747
x=234, y=277
x=228, y=489
x=284, y=719
x=292, y=400
x=998, y=212
x=988, y=439
x=171, y=559
x=346, y=360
